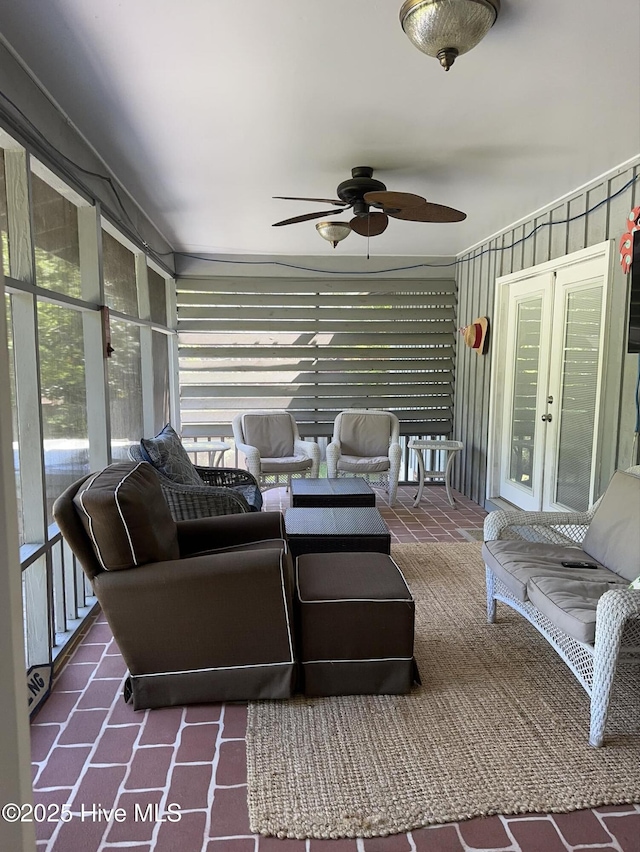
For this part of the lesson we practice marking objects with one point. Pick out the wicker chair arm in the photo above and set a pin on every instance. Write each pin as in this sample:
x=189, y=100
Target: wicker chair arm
x=252, y=456
x=225, y=477
x=334, y=451
x=614, y=607
x=312, y=451
x=187, y=502
x=537, y=526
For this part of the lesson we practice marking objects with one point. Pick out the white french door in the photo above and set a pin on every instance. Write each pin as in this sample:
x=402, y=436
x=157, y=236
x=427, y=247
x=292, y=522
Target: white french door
x=552, y=352
x=526, y=378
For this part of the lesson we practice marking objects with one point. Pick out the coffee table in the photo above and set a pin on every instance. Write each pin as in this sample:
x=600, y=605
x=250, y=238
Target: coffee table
x=348, y=491
x=325, y=530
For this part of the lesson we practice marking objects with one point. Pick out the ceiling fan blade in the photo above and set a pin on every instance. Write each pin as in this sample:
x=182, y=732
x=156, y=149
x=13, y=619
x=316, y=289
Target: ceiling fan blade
x=371, y=225
x=307, y=216
x=319, y=200
x=429, y=212
x=394, y=200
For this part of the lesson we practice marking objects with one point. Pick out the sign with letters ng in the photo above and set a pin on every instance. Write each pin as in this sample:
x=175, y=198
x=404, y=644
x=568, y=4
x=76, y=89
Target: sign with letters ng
x=38, y=685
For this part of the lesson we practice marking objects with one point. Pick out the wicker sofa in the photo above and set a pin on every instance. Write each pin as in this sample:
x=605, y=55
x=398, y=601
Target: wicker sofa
x=590, y=616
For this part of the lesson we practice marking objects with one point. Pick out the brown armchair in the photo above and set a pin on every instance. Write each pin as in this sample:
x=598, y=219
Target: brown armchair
x=200, y=609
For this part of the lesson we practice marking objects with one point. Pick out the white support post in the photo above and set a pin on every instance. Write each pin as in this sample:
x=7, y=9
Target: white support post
x=29, y=415
x=95, y=369
x=174, y=368
x=15, y=778
x=146, y=351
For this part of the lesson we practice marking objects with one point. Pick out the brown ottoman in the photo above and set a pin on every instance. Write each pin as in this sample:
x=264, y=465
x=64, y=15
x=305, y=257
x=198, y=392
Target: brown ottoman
x=355, y=624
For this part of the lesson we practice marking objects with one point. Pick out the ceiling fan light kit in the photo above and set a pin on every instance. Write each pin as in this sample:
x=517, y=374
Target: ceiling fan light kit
x=333, y=232
x=446, y=29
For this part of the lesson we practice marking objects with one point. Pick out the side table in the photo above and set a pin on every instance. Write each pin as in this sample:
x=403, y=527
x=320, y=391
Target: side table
x=450, y=448
x=216, y=450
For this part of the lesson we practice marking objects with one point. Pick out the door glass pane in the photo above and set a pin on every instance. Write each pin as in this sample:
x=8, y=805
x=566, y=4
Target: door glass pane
x=125, y=388
x=55, y=233
x=525, y=388
x=63, y=397
x=119, y=267
x=581, y=357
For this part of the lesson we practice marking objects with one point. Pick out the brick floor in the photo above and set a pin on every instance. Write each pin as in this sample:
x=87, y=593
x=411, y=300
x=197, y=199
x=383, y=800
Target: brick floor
x=89, y=748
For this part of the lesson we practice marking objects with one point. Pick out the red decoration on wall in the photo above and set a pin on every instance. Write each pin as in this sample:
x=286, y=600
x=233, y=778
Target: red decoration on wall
x=626, y=240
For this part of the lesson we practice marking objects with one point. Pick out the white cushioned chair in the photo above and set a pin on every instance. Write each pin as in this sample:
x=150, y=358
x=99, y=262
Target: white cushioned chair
x=366, y=443
x=272, y=446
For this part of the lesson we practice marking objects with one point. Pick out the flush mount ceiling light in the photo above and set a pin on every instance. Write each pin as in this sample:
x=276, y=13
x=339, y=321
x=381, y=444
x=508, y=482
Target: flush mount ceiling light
x=447, y=28
x=333, y=232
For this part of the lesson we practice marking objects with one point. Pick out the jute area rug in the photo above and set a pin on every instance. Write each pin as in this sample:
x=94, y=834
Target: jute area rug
x=499, y=725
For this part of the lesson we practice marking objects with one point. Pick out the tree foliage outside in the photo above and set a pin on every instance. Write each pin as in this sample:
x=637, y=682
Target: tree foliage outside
x=61, y=349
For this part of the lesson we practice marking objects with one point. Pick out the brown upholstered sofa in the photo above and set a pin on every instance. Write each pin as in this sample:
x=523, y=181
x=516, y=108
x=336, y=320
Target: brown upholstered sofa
x=200, y=609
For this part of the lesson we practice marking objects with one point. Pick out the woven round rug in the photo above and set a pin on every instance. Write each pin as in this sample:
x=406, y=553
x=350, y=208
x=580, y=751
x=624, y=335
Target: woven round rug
x=499, y=725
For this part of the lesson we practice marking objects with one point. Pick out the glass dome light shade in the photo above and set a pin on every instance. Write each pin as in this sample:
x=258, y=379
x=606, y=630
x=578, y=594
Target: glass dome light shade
x=333, y=232
x=447, y=28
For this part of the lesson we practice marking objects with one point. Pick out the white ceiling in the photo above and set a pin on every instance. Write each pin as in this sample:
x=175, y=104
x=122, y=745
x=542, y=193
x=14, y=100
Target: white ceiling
x=205, y=109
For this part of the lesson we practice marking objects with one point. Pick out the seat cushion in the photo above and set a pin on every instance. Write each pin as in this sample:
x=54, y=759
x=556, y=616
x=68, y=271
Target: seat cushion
x=286, y=464
x=359, y=464
x=613, y=536
x=364, y=434
x=271, y=434
x=166, y=453
x=515, y=562
x=571, y=604
x=126, y=516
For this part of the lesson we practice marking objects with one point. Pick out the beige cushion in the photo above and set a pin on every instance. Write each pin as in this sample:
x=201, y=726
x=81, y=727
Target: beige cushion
x=286, y=464
x=570, y=604
x=369, y=464
x=271, y=434
x=515, y=562
x=126, y=516
x=364, y=434
x=613, y=537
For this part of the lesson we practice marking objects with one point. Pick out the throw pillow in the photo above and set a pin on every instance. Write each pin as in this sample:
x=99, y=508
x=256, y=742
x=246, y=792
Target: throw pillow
x=635, y=584
x=166, y=453
x=125, y=515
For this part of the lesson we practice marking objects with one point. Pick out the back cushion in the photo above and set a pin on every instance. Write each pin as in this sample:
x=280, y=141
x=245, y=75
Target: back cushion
x=125, y=515
x=272, y=434
x=364, y=434
x=166, y=453
x=613, y=537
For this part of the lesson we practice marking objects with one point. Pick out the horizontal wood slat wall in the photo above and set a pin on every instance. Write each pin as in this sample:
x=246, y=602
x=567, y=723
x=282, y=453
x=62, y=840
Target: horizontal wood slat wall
x=316, y=347
x=512, y=251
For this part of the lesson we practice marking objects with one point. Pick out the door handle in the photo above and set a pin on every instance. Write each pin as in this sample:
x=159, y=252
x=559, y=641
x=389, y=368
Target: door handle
x=547, y=418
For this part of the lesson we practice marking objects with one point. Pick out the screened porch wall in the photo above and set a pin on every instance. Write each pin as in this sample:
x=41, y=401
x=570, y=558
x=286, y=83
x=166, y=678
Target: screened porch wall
x=511, y=251
x=316, y=346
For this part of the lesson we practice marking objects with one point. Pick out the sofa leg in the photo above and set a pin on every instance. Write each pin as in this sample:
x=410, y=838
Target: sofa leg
x=491, y=601
x=600, y=695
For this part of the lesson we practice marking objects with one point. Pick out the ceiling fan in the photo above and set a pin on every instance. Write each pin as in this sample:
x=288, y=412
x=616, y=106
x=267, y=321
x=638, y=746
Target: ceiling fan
x=372, y=205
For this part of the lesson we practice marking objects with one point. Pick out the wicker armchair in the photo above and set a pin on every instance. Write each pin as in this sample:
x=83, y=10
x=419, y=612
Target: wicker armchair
x=273, y=448
x=366, y=443
x=615, y=652
x=221, y=492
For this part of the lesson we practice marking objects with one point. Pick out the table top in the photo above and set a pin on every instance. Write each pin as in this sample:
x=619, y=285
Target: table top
x=326, y=487
x=205, y=446
x=434, y=444
x=340, y=521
